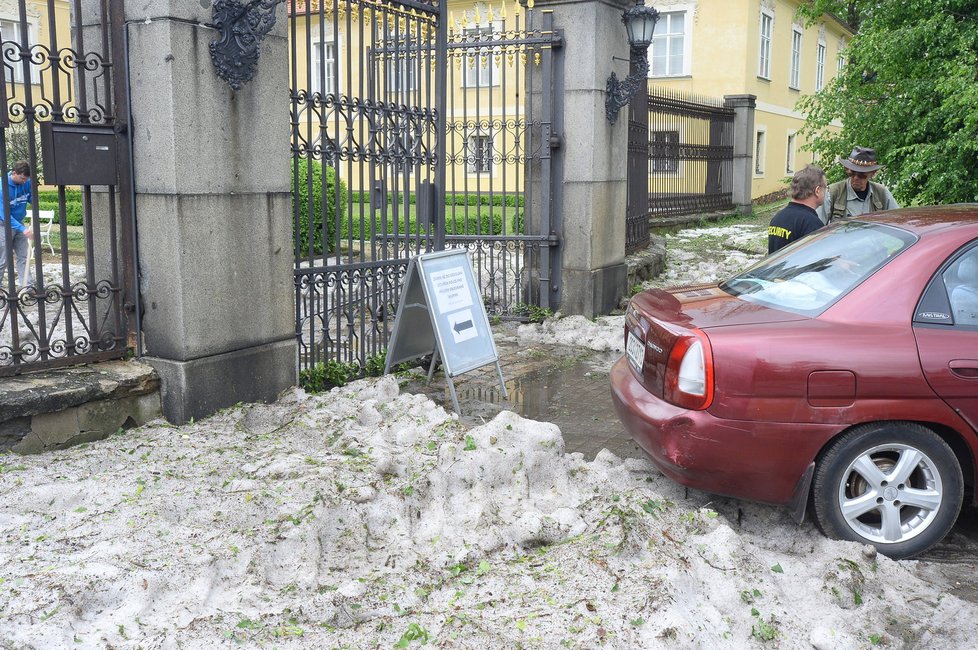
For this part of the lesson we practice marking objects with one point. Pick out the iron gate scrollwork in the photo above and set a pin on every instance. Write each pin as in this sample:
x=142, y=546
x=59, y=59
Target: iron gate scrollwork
x=503, y=137
x=368, y=165
x=418, y=130
x=65, y=286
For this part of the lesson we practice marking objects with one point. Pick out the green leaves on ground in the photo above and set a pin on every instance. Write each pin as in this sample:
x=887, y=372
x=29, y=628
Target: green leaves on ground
x=413, y=633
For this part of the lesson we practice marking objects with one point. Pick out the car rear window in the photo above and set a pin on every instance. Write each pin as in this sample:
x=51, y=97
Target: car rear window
x=811, y=274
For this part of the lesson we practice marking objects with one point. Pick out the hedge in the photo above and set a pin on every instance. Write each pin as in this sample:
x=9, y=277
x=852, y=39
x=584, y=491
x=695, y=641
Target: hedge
x=489, y=223
x=509, y=200
x=48, y=200
x=301, y=183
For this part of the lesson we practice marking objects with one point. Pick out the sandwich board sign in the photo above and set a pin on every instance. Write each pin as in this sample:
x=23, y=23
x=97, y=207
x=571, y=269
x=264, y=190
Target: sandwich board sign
x=441, y=313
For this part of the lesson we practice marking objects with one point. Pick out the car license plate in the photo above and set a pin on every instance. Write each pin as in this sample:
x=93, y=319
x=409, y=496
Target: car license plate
x=635, y=350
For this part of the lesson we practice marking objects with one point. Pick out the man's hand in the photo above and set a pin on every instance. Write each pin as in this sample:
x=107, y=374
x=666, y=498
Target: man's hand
x=28, y=231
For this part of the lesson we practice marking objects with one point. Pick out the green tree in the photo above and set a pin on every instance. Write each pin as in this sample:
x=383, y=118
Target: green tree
x=17, y=138
x=910, y=90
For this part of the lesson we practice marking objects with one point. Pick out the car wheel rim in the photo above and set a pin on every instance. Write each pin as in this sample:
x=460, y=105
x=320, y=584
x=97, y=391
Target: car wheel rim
x=890, y=493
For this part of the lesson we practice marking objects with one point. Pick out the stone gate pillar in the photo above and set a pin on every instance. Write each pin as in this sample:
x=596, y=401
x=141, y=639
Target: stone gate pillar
x=743, y=149
x=594, y=151
x=213, y=211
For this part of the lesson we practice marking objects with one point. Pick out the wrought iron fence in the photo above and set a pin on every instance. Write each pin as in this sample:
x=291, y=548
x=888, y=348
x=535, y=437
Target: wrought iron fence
x=690, y=165
x=499, y=172
x=367, y=147
x=66, y=258
x=637, y=205
x=419, y=131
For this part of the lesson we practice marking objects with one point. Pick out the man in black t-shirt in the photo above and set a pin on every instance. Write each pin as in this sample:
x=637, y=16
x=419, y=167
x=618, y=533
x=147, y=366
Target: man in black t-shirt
x=799, y=217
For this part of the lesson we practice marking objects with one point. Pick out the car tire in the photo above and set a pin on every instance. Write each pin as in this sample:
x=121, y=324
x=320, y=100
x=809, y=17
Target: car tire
x=895, y=485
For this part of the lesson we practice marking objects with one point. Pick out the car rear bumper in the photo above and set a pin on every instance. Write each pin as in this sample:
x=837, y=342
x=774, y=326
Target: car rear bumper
x=760, y=461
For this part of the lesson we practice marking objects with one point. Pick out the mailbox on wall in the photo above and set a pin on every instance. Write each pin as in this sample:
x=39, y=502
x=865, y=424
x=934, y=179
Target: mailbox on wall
x=78, y=154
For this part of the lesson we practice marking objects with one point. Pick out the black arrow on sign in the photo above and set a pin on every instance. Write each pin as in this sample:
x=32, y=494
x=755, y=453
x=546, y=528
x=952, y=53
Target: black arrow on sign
x=462, y=325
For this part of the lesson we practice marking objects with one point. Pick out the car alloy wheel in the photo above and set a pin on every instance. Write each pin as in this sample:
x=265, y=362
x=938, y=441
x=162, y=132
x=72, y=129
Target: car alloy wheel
x=895, y=485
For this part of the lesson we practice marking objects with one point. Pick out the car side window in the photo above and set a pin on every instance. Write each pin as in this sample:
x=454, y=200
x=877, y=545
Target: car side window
x=961, y=282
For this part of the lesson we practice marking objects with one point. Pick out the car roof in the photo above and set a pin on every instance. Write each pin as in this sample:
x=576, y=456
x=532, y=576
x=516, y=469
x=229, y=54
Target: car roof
x=925, y=220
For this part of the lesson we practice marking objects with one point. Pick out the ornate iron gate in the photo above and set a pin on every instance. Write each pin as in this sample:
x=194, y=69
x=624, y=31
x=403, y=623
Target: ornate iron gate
x=65, y=287
x=367, y=90
x=389, y=98
x=503, y=135
x=637, y=206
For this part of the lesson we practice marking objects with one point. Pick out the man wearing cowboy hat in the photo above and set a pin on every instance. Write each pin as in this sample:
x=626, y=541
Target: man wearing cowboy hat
x=857, y=194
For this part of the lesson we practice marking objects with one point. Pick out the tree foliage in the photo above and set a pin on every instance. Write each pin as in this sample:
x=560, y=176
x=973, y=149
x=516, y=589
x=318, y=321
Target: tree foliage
x=910, y=90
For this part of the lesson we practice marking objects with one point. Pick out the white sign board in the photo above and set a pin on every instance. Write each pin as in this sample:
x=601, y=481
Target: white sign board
x=441, y=312
x=449, y=300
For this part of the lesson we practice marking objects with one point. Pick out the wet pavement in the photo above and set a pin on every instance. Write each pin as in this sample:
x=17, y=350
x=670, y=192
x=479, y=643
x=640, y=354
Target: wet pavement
x=570, y=388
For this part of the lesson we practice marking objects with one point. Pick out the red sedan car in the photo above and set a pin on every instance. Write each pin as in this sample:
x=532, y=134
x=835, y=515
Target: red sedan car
x=838, y=376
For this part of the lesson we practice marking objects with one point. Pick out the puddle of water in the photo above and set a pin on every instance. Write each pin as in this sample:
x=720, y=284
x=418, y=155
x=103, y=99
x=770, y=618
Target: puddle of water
x=572, y=392
x=577, y=398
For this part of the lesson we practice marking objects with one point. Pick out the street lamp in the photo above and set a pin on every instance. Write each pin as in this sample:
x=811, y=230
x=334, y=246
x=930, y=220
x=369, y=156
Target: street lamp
x=640, y=24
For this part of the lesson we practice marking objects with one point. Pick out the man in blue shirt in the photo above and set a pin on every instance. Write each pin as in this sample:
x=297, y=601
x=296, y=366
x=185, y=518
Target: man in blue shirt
x=19, y=195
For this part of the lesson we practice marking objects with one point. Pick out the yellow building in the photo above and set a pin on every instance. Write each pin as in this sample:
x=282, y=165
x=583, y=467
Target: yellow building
x=710, y=48
x=386, y=56
x=36, y=34
x=759, y=47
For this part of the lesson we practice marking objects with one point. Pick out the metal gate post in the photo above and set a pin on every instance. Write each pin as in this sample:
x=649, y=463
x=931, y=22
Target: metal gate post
x=441, y=107
x=127, y=185
x=637, y=210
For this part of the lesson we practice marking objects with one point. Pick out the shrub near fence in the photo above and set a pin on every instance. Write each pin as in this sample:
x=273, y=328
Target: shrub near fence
x=464, y=215
x=74, y=214
x=497, y=214
x=300, y=184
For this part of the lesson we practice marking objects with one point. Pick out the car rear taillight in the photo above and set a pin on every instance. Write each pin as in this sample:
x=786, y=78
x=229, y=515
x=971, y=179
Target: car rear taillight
x=689, y=372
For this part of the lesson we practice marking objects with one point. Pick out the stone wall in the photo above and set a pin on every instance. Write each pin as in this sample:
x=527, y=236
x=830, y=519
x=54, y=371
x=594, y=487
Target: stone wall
x=55, y=409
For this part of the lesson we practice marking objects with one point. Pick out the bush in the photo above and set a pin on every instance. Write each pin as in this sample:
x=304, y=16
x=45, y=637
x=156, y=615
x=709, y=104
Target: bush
x=490, y=223
x=316, y=206
x=324, y=376
x=71, y=195
x=73, y=211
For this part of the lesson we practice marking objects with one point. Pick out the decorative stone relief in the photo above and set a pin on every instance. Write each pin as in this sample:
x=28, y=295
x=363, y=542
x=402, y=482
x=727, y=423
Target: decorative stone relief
x=692, y=6
x=768, y=7
x=10, y=11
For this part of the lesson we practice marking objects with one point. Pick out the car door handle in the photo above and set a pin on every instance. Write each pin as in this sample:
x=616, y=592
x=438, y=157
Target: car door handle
x=966, y=368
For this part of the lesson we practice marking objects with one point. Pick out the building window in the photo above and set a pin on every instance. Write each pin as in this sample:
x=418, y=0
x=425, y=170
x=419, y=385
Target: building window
x=820, y=66
x=840, y=64
x=764, y=56
x=403, y=65
x=664, y=152
x=481, y=64
x=790, y=158
x=323, y=60
x=668, y=51
x=10, y=31
x=478, y=153
x=760, y=145
x=795, y=79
